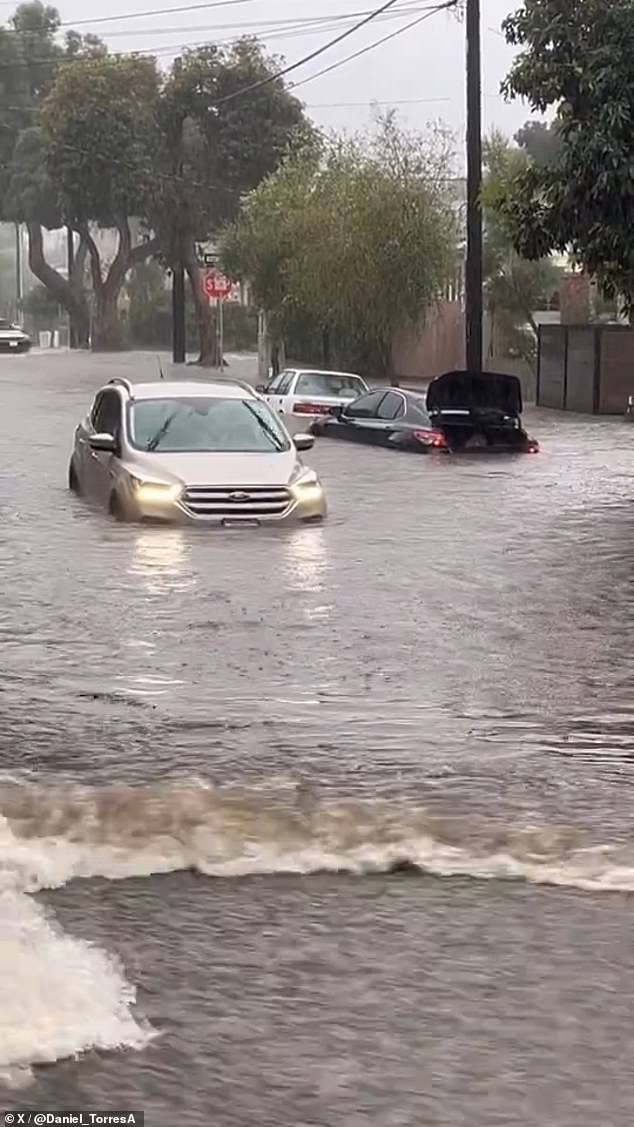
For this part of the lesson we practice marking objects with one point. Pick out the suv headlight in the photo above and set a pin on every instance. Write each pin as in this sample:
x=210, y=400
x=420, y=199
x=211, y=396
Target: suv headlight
x=155, y=491
x=307, y=486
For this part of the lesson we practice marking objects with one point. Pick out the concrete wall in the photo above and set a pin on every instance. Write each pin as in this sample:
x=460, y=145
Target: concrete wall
x=588, y=369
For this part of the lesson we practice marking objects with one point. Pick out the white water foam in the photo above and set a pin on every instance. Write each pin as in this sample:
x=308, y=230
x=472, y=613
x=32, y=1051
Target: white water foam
x=60, y=996
x=118, y=833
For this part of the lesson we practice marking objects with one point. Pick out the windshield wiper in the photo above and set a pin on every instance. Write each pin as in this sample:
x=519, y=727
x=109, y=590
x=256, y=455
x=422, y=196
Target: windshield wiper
x=155, y=442
x=275, y=438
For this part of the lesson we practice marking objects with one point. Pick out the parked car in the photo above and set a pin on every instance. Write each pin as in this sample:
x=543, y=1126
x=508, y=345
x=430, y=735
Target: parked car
x=299, y=394
x=200, y=453
x=479, y=410
x=629, y=413
x=454, y=414
x=388, y=416
x=13, y=338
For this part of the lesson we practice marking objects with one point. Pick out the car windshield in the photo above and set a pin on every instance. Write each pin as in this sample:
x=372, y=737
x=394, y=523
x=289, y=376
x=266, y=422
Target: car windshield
x=330, y=385
x=205, y=425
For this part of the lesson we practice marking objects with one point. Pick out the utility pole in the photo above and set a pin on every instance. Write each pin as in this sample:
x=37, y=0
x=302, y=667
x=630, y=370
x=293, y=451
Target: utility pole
x=179, y=330
x=70, y=263
x=473, y=272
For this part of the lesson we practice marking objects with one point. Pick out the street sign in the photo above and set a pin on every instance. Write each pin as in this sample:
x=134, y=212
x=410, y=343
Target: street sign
x=210, y=259
x=216, y=286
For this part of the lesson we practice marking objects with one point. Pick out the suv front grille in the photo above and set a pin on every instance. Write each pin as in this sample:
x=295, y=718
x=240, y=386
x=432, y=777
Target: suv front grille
x=231, y=503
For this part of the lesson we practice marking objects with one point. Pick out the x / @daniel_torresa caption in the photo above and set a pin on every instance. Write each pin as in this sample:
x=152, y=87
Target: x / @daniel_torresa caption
x=71, y=1119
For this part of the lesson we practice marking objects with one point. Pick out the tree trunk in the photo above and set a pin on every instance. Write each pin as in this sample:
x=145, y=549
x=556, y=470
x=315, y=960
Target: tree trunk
x=276, y=360
x=206, y=316
x=69, y=295
x=108, y=334
x=388, y=365
x=80, y=322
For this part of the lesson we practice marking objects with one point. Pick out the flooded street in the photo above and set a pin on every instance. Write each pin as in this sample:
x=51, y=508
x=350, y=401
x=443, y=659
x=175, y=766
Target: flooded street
x=348, y=807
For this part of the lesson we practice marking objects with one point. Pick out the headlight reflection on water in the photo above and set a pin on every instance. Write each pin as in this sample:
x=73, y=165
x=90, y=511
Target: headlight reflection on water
x=306, y=562
x=161, y=560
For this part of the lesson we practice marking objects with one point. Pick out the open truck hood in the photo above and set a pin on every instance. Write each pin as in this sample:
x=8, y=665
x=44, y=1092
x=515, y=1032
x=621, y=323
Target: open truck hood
x=473, y=391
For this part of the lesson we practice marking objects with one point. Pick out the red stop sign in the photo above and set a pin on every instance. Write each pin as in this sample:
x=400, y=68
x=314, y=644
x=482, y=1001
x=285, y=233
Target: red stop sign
x=215, y=285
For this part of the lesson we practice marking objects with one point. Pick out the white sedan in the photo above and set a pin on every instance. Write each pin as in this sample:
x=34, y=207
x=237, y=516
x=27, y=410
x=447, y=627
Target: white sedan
x=13, y=338
x=303, y=395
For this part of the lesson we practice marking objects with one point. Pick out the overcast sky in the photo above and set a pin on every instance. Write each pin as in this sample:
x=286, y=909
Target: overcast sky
x=422, y=69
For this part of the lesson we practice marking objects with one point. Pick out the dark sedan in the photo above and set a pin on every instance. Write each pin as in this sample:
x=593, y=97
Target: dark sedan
x=459, y=412
x=386, y=417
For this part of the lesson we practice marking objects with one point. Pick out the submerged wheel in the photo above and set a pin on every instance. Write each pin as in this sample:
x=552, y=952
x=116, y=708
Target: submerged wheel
x=117, y=509
x=73, y=480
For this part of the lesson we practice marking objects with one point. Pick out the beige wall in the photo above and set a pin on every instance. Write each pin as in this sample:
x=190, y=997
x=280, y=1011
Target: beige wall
x=440, y=347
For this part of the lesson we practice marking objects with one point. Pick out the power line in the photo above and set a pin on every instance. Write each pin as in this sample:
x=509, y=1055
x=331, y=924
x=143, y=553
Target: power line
x=386, y=102
x=377, y=43
x=313, y=55
x=154, y=52
x=155, y=12
x=374, y=102
x=158, y=51
x=268, y=27
x=129, y=16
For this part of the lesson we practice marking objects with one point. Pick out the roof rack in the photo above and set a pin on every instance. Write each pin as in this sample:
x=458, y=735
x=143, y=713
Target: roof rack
x=121, y=382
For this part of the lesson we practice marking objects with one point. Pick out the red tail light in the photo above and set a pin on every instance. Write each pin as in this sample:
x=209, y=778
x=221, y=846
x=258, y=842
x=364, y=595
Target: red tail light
x=533, y=448
x=431, y=438
x=310, y=409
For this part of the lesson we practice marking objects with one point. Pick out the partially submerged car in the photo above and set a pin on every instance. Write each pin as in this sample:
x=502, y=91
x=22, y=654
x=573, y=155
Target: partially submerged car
x=479, y=411
x=13, y=338
x=459, y=412
x=210, y=453
x=388, y=416
x=300, y=394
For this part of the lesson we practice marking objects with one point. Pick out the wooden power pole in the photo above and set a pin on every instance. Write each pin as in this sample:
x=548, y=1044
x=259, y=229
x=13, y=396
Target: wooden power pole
x=473, y=272
x=179, y=333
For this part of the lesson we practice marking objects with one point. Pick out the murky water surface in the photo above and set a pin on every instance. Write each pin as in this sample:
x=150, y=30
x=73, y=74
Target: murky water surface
x=347, y=810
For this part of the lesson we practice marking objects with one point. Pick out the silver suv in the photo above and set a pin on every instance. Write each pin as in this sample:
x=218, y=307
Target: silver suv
x=203, y=453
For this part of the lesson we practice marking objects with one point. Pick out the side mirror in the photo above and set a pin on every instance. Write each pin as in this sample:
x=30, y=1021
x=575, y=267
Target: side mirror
x=261, y=388
x=105, y=443
x=304, y=442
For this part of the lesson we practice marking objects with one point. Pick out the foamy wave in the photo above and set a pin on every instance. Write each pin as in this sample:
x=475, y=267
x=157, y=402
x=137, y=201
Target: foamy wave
x=60, y=995
x=48, y=838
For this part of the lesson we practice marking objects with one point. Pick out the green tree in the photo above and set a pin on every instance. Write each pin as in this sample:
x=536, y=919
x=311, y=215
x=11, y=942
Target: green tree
x=101, y=126
x=359, y=241
x=259, y=247
x=30, y=198
x=514, y=286
x=30, y=55
x=578, y=58
x=541, y=141
x=216, y=147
